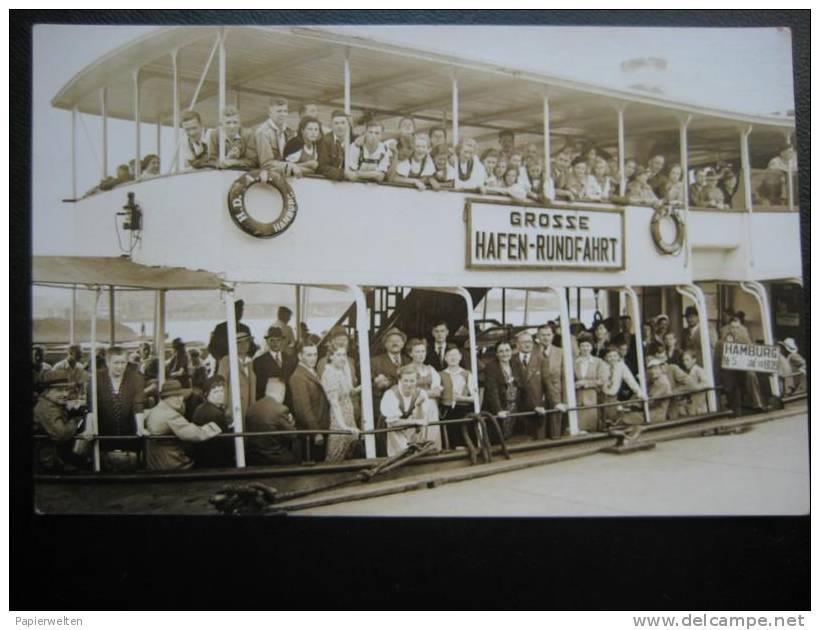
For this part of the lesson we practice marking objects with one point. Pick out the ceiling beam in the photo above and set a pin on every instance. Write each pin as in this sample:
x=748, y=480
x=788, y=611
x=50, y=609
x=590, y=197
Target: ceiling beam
x=374, y=84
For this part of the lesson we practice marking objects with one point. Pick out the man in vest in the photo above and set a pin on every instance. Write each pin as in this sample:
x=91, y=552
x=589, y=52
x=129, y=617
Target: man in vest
x=406, y=404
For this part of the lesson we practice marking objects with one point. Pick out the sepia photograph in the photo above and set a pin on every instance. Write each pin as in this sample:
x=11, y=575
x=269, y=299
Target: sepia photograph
x=416, y=271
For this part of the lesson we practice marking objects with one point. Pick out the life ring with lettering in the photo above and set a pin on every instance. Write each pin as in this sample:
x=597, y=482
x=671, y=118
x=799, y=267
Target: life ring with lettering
x=244, y=219
x=664, y=246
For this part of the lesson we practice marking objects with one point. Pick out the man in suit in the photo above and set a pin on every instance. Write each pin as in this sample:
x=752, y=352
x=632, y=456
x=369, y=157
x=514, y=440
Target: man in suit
x=384, y=369
x=270, y=414
x=218, y=345
x=195, y=147
x=275, y=363
x=527, y=362
x=271, y=138
x=240, y=143
x=310, y=404
x=435, y=357
x=332, y=147
x=247, y=378
x=552, y=375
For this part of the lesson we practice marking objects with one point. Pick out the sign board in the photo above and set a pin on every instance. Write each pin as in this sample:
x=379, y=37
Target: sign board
x=750, y=357
x=509, y=236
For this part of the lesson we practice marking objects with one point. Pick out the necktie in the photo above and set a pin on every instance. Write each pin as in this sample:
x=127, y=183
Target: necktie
x=396, y=361
x=526, y=360
x=278, y=359
x=441, y=354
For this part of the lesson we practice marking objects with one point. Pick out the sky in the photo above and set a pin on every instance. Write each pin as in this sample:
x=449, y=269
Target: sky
x=738, y=69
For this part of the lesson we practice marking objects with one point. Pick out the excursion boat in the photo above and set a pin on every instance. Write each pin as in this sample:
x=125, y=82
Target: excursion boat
x=408, y=258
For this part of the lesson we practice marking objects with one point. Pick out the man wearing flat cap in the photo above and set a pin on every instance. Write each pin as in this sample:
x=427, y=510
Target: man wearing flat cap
x=384, y=368
x=166, y=419
x=218, y=345
x=247, y=377
x=278, y=362
x=51, y=418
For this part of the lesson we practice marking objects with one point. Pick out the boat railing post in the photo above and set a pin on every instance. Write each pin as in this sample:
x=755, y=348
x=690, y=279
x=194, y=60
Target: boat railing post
x=74, y=153
x=137, y=148
x=159, y=334
x=92, y=363
x=233, y=362
x=222, y=71
x=473, y=349
x=104, y=115
x=621, y=149
x=684, y=164
x=638, y=325
x=695, y=294
x=455, y=106
x=569, y=360
x=363, y=339
x=756, y=289
x=175, y=106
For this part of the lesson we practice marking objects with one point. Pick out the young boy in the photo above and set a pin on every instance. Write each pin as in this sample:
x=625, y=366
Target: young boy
x=470, y=173
x=444, y=175
x=370, y=161
x=240, y=143
x=419, y=167
x=272, y=137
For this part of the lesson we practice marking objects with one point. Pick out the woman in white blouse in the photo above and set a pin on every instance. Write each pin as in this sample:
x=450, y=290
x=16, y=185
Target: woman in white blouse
x=616, y=374
x=428, y=379
x=599, y=183
x=696, y=403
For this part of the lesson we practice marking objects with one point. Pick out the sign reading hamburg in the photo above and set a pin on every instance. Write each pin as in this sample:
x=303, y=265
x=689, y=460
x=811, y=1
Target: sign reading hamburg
x=525, y=237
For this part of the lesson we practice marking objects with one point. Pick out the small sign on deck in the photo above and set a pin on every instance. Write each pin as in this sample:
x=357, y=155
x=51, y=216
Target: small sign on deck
x=750, y=357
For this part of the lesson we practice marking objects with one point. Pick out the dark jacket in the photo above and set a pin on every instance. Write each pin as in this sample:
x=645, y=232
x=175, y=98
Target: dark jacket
x=331, y=157
x=248, y=157
x=265, y=367
x=310, y=404
x=495, y=385
x=381, y=364
x=267, y=414
x=217, y=453
x=116, y=411
x=218, y=345
x=531, y=392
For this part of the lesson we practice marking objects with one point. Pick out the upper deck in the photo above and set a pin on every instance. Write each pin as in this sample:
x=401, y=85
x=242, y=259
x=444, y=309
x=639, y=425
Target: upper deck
x=379, y=234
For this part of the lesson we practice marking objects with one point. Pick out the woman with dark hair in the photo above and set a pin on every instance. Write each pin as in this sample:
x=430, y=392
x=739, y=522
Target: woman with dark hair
x=590, y=373
x=219, y=452
x=178, y=367
x=149, y=167
x=673, y=187
x=501, y=383
x=600, y=339
x=728, y=185
x=305, y=153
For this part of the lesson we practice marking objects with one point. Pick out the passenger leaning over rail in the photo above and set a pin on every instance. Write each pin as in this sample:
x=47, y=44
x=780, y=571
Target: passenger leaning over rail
x=792, y=368
x=445, y=174
x=369, y=156
x=270, y=414
x=240, y=143
x=304, y=157
x=166, y=419
x=639, y=191
x=405, y=404
x=194, y=152
x=214, y=453
x=659, y=391
x=616, y=377
x=119, y=403
x=418, y=168
x=470, y=174
x=333, y=147
x=673, y=189
x=657, y=175
x=680, y=382
x=272, y=137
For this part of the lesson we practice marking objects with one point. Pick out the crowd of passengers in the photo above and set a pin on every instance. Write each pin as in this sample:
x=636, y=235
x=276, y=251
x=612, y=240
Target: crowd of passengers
x=427, y=160
x=286, y=385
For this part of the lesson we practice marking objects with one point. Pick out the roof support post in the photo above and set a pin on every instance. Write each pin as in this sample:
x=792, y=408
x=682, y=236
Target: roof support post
x=568, y=362
x=112, y=336
x=175, y=106
x=233, y=361
x=347, y=81
x=547, y=148
x=636, y=320
x=455, y=108
x=74, y=153
x=72, y=324
x=526, y=307
x=684, y=165
x=746, y=167
x=159, y=139
x=297, y=290
x=363, y=343
x=221, y=92
x=695, y=294
x=790, y=171
x=92, y=364
x=754, y=288
x=137, y=147
x=473, y=349
x=104, y=114
x=159, y=333
x=621, y=150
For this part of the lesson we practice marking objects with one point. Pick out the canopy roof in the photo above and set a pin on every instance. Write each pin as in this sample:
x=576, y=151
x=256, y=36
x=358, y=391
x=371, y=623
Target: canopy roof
x=118, y=272
x=306, y=65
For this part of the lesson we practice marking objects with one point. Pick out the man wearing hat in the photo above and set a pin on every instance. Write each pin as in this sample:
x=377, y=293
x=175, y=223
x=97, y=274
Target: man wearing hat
x=384, y=368
x=247, y=377
x=660, y=326
x=277, y=362
x=72, y=365
x=711, y=196
x=166, y=419
x=793, y=369
x=218, y=345
x=51, y=418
